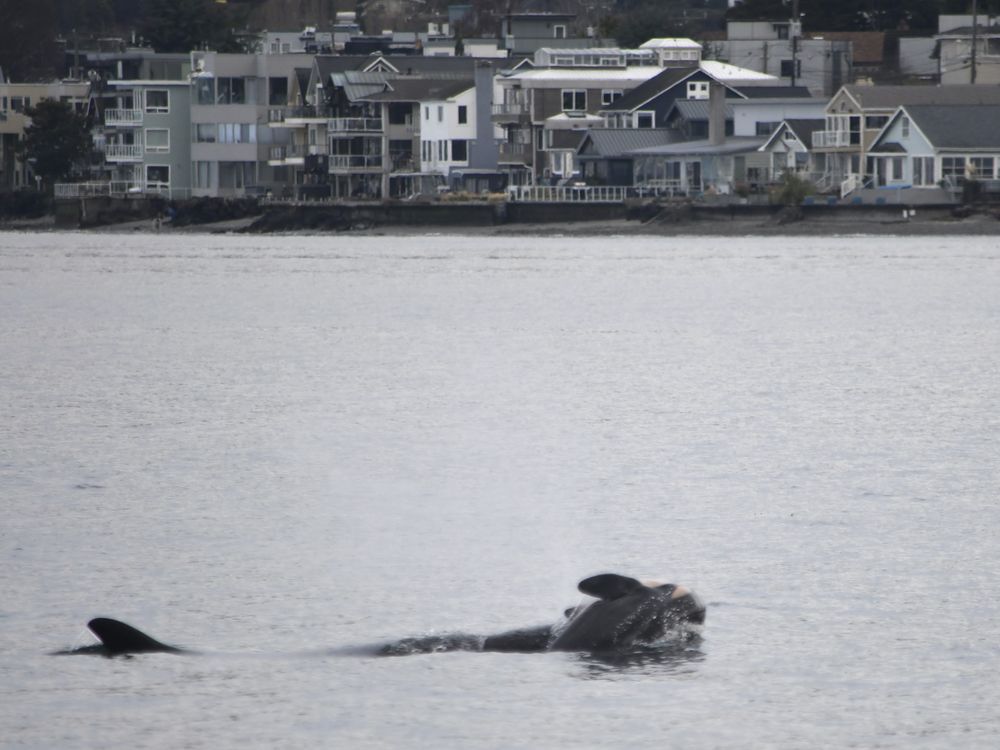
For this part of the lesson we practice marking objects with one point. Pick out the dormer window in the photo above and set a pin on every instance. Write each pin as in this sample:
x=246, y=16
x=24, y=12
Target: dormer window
x=697, y=90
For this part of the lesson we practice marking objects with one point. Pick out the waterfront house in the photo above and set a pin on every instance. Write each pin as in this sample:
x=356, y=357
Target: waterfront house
x=856, y=114
x=789, y=148
x=923, y=145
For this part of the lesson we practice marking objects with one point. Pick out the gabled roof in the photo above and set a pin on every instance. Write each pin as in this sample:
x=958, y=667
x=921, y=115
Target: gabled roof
x=890, y=97
x=969, y=127
x=612, y=142
x=801, y=129
x=652, y=88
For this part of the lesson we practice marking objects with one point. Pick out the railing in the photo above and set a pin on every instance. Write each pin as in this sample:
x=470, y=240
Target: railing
x=515, y=152
x=88, y=189
x=352, y=161
x=512, y=109
x=851, y=183
x=118, y=117
x=354, y=125
x=550, y=194
x=660, y=186
x=831, y=138
x=288, y=151
x=123, y=152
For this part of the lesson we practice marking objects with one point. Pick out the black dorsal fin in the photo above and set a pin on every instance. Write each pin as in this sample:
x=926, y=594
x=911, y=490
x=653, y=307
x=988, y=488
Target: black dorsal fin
x=609, y=586
x=120, y=638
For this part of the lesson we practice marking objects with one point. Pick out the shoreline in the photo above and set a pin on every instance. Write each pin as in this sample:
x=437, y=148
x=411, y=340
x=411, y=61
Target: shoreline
x=978, y=224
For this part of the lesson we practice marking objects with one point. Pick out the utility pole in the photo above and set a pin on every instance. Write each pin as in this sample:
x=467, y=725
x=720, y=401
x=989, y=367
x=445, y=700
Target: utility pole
x=975, y=34
x=795, y=29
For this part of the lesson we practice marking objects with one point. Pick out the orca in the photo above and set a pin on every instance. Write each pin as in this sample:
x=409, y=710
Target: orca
x=626, y=615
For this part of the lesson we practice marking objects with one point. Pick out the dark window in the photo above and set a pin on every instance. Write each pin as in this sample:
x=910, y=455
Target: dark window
x=459, y=150
x=766, y=128
x=788, y=70
x=277, y=94
x=463, y=114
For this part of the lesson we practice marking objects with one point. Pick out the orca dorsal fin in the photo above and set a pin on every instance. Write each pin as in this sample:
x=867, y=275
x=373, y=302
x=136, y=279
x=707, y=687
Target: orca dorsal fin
x=120, y=638
x=609, y=586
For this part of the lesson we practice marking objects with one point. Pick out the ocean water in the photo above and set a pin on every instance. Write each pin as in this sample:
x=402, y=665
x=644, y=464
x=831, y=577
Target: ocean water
x=278, y=450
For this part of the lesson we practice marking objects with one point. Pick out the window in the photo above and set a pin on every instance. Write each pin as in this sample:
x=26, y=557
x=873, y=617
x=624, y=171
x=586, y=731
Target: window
x=204, y=90
x=875, y=122
x=230, y=91
x=277, y=91
x=157, y=140
x=766, y=128
x=644, y=119
x=463, y=114
x=237, y=132
x=923, y=170
x=780, y=30
x=981, y=167
x=157, y=101
x=610, y=96
x=896, y=168
x=904, y=127
x=202, y=174
x=697, y=90
x=953, y=167
x=459, y=150
x=440, y=113
x=157, y=176
x=559, y=31
x=442, y=150
x=427, y=113
x=574, y=100
x=791, y=68
x=205, y=132
x=20, y=103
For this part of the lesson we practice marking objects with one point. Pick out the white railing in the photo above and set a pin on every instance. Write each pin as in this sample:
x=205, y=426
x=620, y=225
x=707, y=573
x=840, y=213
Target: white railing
x=123, y=152
x=661, y=186
x=88, y=189
x=851, y=183
x=354, y=125
x=831, y=138
x=565, y=194
x=341, y=162
x=128, y=117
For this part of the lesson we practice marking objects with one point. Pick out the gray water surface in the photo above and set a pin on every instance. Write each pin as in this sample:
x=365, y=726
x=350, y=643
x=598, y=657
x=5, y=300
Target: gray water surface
x=277, y=449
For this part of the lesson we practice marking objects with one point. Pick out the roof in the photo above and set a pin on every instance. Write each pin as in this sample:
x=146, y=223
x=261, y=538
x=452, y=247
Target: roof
x=670, y=43
x=696, y=109
x=889, y=148
x=949, y=126
x=653, y=87
x=727, y=73
x=420, y=89
x=890, y=97
x=405, y=64
x=611, y=142
x=558, y=76
x=775, y=92
x=568, y=139
x=736, y=145
x=801, y=128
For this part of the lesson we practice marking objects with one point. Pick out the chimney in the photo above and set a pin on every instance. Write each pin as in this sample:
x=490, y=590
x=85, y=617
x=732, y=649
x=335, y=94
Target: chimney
x=716, y=113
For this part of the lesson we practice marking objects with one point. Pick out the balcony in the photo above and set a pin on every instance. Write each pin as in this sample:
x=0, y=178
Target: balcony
x=123, y=152
x=515, y=153
x=511, y=112
x=293, y=117
x=123, y=118
x=338, y=125
x=356, y=163
x=833, y=139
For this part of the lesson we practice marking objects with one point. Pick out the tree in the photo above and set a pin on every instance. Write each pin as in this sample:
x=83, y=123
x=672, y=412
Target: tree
x=56, y=142
x=185, y=25
x=27, y=39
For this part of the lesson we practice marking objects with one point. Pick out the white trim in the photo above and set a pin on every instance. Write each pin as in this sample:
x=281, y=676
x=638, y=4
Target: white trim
x=156, y=149
x=155, y=110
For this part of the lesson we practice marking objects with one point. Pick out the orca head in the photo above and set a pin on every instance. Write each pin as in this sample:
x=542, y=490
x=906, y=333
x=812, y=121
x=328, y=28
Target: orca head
x=626, y=613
